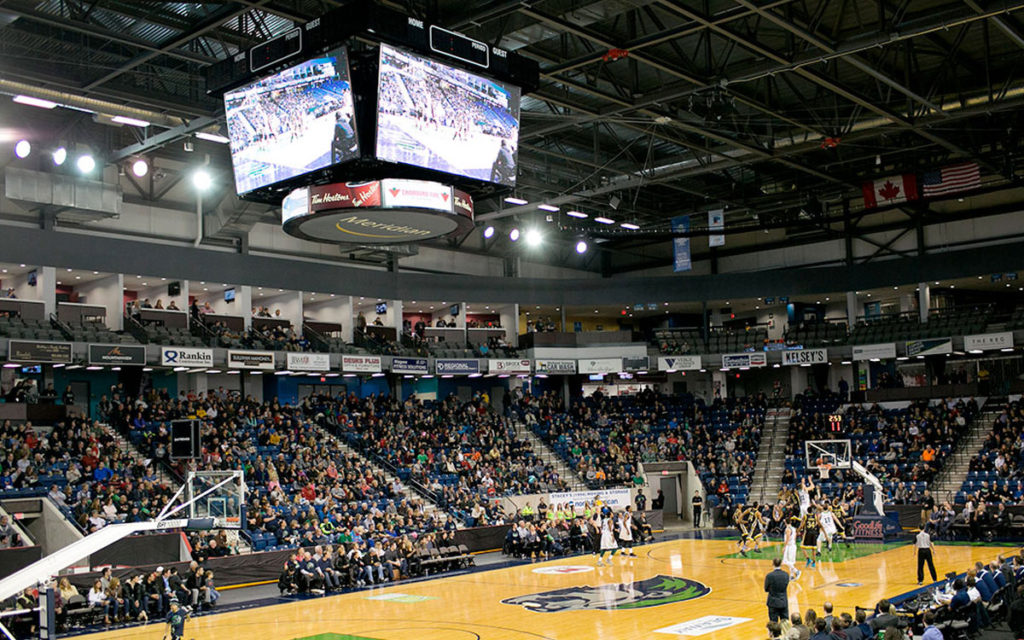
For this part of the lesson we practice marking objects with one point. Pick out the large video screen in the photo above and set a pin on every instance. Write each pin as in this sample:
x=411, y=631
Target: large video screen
x=293, y=122
x=439, y=117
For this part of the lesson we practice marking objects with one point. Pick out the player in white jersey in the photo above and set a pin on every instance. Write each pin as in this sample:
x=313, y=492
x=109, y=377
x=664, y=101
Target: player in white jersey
x=827, y=529
x=607, y=540
x=625, y=525
x=789, y=547
x=804, y=495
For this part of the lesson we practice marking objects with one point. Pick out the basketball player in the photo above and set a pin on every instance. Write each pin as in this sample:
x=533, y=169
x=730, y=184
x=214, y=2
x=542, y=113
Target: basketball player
x=804, y=496
x=809, y=541
x=826, y=527
x=175, y=622
x=778, y=516
x=789, y=547
x=739, y=517
x=607, y=541
x=625, y=524
x=758, y=526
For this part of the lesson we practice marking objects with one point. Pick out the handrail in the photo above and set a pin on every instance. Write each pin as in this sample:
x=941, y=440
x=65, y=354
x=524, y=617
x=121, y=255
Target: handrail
x=63, y=326
x=315, y=338
x=135, y=328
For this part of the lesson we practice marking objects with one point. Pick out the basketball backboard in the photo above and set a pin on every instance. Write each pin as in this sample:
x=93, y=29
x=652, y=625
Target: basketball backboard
x=219, y=495
x=835, y=454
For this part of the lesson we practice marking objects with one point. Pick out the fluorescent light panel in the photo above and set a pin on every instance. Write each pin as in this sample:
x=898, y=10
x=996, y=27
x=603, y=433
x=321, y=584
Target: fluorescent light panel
x=630, y=226
x=576, y=214
x=547, y=207
x=212, y=137
x=135, y=122
x=509, y=199
x=35, y=102
x=604, y=220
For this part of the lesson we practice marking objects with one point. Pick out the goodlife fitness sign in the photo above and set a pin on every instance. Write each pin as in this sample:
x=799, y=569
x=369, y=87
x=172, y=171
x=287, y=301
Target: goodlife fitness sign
x=186, y=357
x=805, y=356
x=361, y=364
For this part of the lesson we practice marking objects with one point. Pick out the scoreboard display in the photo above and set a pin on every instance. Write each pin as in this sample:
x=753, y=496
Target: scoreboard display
x=835, y=422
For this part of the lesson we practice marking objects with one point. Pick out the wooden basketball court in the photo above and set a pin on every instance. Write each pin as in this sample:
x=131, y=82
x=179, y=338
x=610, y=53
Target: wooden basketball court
x=669, y=583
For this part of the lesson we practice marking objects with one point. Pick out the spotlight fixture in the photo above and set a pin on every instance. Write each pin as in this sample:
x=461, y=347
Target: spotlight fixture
x=85, y=163
x=22, y=148
x=534, y=237
x=60, y=154
x=581, y=247
x=140, y=168
x=513, y=235
x=201, y=179
x=489, y=232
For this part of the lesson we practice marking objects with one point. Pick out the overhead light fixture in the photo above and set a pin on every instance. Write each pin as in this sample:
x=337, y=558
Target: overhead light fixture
x=581, y=247
x=603, y=220
x=513, y=235
x=60, y=154
x=135, y=122
x=534, y=237
x=201, y=179
x=630, y=226
x=22, y=148
x=488, y=232
x=516, y=201
x=35, y=102
x=86, y=163
x=212, y=137
x=547, y=207
x=576, y=214
x=140, y=168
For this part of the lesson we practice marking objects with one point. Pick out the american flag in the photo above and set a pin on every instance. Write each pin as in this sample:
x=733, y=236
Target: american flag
x=951, y=179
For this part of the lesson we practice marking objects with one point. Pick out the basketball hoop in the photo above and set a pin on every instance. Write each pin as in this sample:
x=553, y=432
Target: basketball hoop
x=824, y=471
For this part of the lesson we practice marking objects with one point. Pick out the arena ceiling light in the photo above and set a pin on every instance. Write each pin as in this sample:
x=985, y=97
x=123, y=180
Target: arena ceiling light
x=60, y=154
x=140, y=168
x=534, y=237
x=576, y=214
x=212, y=137
x=604, y=220
x=134, y=122
x=581, y=247
x=489, y=232
x=630, y=226
x=35, y=102
x=513, y=235
x=22, y=148
x=86, y=163
x=201, y=179
x=547, y=207
x=516, y=201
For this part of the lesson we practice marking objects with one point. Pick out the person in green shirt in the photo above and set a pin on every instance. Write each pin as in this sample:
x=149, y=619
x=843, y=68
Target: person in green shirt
x=527, y=512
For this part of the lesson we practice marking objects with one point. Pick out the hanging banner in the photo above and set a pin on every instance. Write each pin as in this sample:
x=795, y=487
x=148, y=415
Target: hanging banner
x=508, y=366
x=556, y=367
x=929, y=347
x=361, y=364
x=988, y=341
x=309, y=362
x=874, y=351
x=601, y=365
x=679, y=363
x=409, y=365
x=805, y=356
x=117, y=354
x=716, y=222
x=251, y=360
x=457, y=367
x=681, y=224
x=741, y=360
x=186, y=357
x=39, y=351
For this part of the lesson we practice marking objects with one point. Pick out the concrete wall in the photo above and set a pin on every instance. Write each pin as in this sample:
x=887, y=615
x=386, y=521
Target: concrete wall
x=107, y=292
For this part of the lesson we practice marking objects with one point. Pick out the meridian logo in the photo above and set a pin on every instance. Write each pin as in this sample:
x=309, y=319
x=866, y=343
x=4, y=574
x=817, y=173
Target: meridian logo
x=652, y=592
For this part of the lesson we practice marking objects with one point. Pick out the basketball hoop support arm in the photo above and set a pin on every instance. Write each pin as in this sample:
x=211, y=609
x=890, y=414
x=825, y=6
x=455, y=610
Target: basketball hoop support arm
x=874, y=482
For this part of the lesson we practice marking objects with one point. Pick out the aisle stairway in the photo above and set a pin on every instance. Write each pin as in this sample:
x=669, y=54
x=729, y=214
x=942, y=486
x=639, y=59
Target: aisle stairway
x=951, y=478
x=771, y=459
x=162, y=476
x=549, y=457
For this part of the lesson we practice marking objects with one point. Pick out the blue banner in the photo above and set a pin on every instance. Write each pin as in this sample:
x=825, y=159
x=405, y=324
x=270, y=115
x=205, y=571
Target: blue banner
x=409, y=365
x=681, y=224
x=460, y=367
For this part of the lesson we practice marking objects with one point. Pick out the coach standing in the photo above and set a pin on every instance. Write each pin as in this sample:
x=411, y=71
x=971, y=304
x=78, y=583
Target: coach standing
x=923, y=544
x=776, y=584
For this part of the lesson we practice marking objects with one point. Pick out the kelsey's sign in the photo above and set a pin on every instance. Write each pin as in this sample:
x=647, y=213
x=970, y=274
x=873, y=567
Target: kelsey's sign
x=742, y=360
x=874, y=351
x=117, y=354
x=805, y=356
x=601, y=365
x=457, y=367
x=37, y=351
x=186, y=357
x=508, y=366
x=251, y=360
x=989, y=341
x=409, y=365
x=308, y=362
x=361, y=364
x=556, y=367
x=930, y=347
x=679, y=363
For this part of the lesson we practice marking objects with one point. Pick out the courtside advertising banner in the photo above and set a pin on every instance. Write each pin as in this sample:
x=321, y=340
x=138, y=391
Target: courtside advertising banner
x=679, y=363
x=186, y=357
x=309, y=362
x=741, y=360
x=874, y=351
x=614, y=498
x=805, y=356
x=361, y=364
x=508, y=366
x=601, y=365
x=251, y=360
x=556, y=367
x=929, y=347
x=409, y=365
x=456, y=367
x=988, y=341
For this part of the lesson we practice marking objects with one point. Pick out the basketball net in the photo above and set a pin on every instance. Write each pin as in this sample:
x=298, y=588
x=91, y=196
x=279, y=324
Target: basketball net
x=824, y=471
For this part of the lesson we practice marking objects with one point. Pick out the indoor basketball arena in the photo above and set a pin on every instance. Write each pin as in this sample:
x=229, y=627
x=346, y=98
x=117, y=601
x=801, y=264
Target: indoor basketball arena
x=505, y=320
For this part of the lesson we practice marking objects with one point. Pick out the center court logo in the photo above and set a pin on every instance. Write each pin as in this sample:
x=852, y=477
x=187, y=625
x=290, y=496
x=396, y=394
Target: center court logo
x=652, y=592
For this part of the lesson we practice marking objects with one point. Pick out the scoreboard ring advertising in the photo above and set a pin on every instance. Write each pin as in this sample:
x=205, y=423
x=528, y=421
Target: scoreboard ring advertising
x=386, y=211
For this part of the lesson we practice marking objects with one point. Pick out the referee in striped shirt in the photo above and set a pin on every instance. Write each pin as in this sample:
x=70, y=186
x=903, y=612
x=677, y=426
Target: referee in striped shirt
x=923, y=544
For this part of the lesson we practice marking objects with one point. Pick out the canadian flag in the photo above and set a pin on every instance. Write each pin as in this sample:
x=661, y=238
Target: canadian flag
x=889, y=191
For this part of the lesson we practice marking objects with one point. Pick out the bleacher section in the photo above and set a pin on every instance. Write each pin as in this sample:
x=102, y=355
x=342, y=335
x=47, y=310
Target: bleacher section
x=97, y=332
x=17, y=328
x=691, y=341
x=997, y=470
